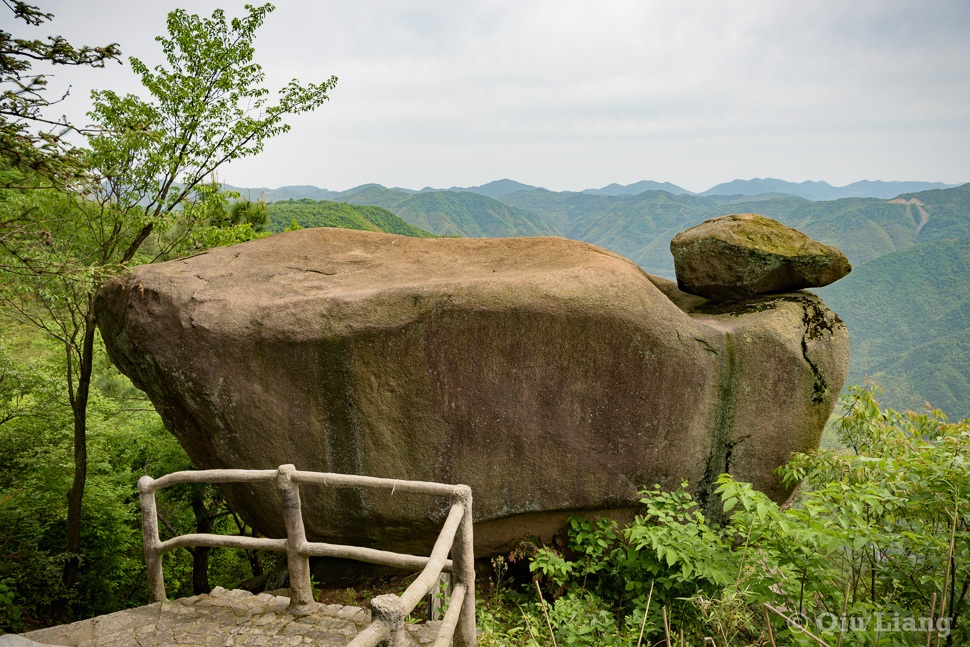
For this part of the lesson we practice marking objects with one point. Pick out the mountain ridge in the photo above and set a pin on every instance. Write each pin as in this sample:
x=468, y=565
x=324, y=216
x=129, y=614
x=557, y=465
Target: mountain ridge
x=817, y=191
x=638, y=187
x=497, y=189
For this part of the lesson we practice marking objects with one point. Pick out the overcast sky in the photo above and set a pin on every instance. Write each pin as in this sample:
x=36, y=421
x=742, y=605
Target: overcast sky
x=573, y=95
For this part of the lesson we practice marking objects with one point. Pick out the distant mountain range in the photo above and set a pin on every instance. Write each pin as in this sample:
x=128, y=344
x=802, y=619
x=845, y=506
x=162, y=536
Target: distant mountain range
x=758, y=186
x=496, y=189
x=823, y=190
x=906, y=302
x=637, y=188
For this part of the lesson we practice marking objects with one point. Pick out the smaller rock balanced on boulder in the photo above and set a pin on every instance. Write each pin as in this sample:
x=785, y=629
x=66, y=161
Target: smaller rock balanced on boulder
x=744, y=255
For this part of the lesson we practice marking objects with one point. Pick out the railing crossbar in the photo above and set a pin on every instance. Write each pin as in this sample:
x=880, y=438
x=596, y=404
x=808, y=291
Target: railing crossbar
x=212, y=476
x=371, y=556
x=354, y=480
x=313, y=549
x=420, y=586
x=447, y=630
x=221, y=541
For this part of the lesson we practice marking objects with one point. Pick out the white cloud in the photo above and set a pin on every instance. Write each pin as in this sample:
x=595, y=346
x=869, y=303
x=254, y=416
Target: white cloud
x=575, y=94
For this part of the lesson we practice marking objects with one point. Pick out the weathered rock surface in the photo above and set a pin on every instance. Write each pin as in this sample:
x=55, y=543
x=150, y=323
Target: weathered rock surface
x=736, y=257
x=225, y=618
x=551, y=376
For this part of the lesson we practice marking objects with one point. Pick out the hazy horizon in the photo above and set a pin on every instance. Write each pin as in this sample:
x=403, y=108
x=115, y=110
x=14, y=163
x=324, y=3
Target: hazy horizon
x=575, y=190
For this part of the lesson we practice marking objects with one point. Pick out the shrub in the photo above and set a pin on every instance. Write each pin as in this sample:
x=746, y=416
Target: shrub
x=877, y=544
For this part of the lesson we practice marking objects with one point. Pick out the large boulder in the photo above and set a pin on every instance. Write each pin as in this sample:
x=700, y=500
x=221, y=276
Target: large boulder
x=743, y=255
x=551, y=376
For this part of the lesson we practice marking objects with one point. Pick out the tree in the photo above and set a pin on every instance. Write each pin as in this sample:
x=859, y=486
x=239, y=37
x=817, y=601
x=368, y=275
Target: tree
x=209, y=108
x=246, y=211
x=228, y=209
x=32, y=158
x=147, y=158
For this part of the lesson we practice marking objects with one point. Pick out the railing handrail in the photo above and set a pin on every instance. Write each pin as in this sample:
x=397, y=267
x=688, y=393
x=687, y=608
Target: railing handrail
x=390, y=610
x=330, y=479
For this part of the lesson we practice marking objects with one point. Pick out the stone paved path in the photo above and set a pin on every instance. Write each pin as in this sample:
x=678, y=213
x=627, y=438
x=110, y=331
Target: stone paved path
x=221, y=619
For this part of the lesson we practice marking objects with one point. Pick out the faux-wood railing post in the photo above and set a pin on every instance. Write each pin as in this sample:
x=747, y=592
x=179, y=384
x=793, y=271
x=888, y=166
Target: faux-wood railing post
x=150, y=540
x=297, y=557
x=463, y=570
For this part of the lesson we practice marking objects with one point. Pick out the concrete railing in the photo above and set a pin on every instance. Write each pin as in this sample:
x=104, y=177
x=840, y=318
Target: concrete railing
x=388, y=611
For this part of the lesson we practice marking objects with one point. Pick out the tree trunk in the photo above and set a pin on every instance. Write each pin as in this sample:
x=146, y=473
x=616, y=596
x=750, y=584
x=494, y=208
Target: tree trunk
x=79, y=404
x=255, y=562
x=204, y=521
x=200, y=570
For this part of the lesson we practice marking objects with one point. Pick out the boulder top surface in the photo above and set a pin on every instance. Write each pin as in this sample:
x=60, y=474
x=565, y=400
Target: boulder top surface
x=329, y=262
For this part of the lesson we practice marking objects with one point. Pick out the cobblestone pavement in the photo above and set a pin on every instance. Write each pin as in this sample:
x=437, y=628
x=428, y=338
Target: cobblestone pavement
x=221, y=619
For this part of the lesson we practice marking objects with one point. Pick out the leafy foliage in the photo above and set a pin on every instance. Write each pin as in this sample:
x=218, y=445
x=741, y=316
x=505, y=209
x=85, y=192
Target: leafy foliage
x=29, y=157
x=208, y=107
x=148, y=159
x=36, y=450
x=127, y=440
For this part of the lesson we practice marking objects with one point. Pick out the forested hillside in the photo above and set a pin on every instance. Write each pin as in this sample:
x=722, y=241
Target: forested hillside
x=449, y=213
x=909, y=319
x=446, y=213
x=322, y=213
x=639, y=226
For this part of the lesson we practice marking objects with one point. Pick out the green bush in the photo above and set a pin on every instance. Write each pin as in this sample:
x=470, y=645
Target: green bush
x=876, y=544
